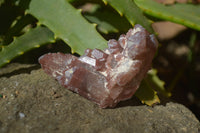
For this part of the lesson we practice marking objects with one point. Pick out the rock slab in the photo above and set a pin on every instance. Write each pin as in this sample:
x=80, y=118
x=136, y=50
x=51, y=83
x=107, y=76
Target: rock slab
x=34, y=102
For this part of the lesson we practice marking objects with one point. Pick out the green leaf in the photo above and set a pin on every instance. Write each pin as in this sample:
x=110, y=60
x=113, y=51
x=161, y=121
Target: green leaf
x=146, y=94
x=31, y=39
x=108, y=22
x=20, y=24
x=129, y=9
x=185, y=14
x=151, y=84
x=8, y=13
x=153, y=80
x=68, y=24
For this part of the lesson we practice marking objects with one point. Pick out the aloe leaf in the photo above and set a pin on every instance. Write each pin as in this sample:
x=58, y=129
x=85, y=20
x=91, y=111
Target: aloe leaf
x=68, y=24
x=185, y=14
x=8, y=13
x=108, y=22
x=147, y=94
x=151, y=84
x=31, y=39
x=20, y=24
x=129, y=9
x=153, y=80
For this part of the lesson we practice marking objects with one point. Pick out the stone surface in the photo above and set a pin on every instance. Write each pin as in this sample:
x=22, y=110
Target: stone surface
x=109, y=76
x=34, y=102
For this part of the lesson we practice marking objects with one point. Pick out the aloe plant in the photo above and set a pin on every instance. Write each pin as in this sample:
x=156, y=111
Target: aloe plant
x=77, y=36
x=20, y=24
x=185, y=14
x=131, y=12
x=68, y=24
x=108, y=22
x=147, y=92
x=32, y=39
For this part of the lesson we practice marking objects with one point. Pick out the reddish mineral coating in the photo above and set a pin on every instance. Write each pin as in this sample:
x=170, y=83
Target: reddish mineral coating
x=105, y=77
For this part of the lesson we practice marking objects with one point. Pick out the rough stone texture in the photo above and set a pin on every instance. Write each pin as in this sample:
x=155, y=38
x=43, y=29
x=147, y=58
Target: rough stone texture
x=35, y=102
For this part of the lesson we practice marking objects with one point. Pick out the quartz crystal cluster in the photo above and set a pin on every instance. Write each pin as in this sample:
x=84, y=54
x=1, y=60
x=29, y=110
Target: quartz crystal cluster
x=108, y=76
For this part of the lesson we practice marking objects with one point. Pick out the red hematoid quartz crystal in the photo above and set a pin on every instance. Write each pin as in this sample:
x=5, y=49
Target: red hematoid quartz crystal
x=109, y=76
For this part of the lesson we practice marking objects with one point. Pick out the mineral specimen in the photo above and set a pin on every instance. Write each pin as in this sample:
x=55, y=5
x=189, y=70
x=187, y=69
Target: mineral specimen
x=109, y=76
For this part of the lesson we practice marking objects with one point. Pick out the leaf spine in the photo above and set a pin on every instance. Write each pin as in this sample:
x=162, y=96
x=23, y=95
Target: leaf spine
x=21, y=53
x=105, y=2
